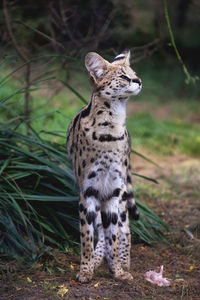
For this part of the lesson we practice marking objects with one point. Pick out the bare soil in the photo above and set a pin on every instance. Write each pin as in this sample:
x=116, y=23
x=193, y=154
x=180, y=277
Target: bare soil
x=177, y=200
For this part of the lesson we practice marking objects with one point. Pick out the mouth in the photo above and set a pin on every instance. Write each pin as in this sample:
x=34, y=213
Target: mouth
x=137, y=90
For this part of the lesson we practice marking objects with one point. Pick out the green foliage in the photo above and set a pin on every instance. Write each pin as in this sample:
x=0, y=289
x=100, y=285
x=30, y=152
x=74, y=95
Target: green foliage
x=38, y=196
x=165, y=137
x=149, y=227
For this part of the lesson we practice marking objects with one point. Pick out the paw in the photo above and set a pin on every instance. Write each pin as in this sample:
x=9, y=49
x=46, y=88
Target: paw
x=98, y=259
x=125, y=266
x=84, y=277
x=97, y=262
x=123, y=276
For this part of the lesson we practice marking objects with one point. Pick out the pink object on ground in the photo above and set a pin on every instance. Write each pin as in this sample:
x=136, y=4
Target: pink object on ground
x=156, y=278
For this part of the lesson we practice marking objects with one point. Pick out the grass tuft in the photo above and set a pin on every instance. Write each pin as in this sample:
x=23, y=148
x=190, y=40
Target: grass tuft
x=39, y=199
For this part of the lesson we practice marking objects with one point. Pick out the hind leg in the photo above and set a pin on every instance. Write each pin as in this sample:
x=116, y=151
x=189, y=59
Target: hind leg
x=99, y=252
x=124, y=236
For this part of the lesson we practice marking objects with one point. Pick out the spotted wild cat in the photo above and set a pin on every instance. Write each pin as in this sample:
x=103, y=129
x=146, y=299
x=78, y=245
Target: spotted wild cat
x=98, y=145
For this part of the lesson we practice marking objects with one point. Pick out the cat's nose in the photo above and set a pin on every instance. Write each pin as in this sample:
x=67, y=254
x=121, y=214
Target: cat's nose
x=137, y=80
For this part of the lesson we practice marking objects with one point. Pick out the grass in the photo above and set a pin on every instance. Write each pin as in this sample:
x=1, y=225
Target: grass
x=38, y=196
x=164, y=137
x=39, y=199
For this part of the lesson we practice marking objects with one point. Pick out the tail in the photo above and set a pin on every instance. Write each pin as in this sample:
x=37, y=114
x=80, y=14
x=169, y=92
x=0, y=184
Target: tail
x=131, y=205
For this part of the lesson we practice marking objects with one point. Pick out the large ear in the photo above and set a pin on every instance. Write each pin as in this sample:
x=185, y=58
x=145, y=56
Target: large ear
x=123, y=58
x=96, y=65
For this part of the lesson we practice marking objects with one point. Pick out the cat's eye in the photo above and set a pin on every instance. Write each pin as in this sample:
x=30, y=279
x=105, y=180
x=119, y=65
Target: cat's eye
x=125, y=78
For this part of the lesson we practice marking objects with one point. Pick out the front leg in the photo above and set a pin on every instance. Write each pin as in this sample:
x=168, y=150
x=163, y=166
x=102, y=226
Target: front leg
x=87, y=211
x=110, y=220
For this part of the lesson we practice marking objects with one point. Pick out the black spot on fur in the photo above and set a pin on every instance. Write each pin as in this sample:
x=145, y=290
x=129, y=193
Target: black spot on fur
x=129, y=179
x=82, y=222
x=94, y=136
x=114, y=237
x=105, y=219
x=97, y=208
x=71, y=149
x=83, y=163
x=124, y=196
x=75, y=121
x=114, y=218
x=86, y=111
x=91, y=175
x=116, y=193
x=79, y=171
x=92, y=160
x=107, y=104
x=81, y=207
x=120, y=224
x=99, y=112
x=104, y=123
x=117, y=171
x=91, y=192
x=110, y=138
x=123, y=216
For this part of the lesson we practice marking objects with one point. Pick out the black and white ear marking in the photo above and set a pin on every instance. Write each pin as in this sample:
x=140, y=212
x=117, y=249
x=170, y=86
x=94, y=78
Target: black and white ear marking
x=123, y=58
x=96, y=65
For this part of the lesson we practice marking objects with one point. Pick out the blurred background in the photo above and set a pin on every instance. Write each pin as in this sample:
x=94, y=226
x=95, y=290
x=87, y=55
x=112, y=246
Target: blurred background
x=71, y=29
x=43, y=83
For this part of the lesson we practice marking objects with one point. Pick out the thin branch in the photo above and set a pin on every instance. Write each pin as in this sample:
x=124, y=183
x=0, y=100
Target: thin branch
x=11, y=34
x=27, y=106
x=146, y=54
x=146, y=46
x=189, y=78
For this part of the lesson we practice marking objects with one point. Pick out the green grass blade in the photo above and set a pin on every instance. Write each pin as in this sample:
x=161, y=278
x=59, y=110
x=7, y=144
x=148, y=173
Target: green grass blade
x=145, y=158
x=74, y=91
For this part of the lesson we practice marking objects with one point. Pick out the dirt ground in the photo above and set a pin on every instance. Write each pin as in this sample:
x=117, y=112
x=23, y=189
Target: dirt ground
x=177, y=200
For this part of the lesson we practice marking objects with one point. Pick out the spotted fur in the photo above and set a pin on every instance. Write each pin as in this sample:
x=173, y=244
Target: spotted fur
x=98, y=145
